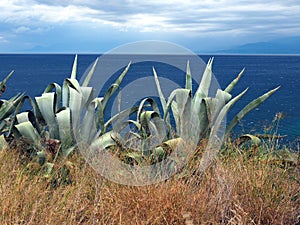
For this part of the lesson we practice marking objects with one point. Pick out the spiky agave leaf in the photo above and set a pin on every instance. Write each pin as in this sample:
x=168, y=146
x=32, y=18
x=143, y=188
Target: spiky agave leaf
x=256, y=102
x=46, y=105
x=229, y=88
x=204, y=86
x=74, y=68
x=114, y=87
x=188, y=79
x=89, y=127
x=255, y=140
x=57, y=88
x=27, y=130
x=215, y=140
x=181, y=109
x=90, y=74
x=4, y=81
x=63, y=118
x=7, y=107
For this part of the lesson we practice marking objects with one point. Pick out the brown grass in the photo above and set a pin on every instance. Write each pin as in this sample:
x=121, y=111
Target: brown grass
x=234, y=191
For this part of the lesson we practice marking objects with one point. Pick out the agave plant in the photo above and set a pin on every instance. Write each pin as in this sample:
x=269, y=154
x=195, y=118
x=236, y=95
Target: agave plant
x=197, y=117
x=7, y=109
x=57, y=115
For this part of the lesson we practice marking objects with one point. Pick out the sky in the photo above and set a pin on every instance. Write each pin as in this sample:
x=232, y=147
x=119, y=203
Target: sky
x=86, y=26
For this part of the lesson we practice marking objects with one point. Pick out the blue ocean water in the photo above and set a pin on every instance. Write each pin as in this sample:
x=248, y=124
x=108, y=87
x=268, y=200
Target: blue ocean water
x=33, y=72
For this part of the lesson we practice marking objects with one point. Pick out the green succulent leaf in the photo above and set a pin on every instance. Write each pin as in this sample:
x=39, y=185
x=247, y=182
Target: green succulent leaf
x=7, y=107
x=256, y=102
x=90, y=74
x=229, y=88
x=4, y=81
x=188, y=82
x=63, y=118
x=223, y=113
x=27, y=130
x=114, y=87
x=57, y=88
x=143, y=104
x=46, y=105
x=74, y=68
x=255, y=140
x=203, y=88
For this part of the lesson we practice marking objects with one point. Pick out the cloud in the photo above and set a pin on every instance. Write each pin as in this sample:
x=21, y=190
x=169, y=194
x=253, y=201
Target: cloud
x=188, y=19
x=3, y=40
x=165, y=16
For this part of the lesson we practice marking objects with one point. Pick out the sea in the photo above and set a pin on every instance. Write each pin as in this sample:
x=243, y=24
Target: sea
x=33, y=72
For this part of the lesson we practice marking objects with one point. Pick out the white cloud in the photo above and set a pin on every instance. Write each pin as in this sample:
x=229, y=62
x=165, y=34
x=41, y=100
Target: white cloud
x=3, y=40
x=157, y=15
x=176, y=18
x=21, y=29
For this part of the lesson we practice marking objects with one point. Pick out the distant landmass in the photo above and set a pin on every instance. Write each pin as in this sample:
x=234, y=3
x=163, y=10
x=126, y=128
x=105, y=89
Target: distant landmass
x=288, y=45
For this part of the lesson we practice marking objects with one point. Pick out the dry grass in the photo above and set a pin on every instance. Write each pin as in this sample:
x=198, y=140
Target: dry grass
x=234, y=191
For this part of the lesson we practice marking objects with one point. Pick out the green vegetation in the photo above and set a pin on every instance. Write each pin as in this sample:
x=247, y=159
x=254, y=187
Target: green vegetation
x=43, y=179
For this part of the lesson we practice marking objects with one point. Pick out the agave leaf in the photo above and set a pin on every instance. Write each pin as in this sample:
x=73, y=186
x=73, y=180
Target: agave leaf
x=188, y=82
x=135, y=123
x=114, y=87
x=87, y=94
x=171, y=99
x=89, y=128
x=157, y=124
x=255, y=140
x=46, y=104
x=75, y=105
x=175, y=114
x=210, y=107
x=229, y=88
x=151, y=121
x=7, y=107
x=118, y=120
x=218, y=102
x=90, y=74
x=223, y=113
x=214, y=140
x=57, y=88
x=163, y=102
x=67, y=85
x=63, y=117
x=74, y=69
x=256, y=102
x=161, y=95
x=72, y=83
x=144, y=119
x=36, y=117
x=105, y=141
x=27, y=130
x=25, y=116
x=142, y=106
x=203, y=88
x=99, y=116
x=182, y=109
x=2, y=83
